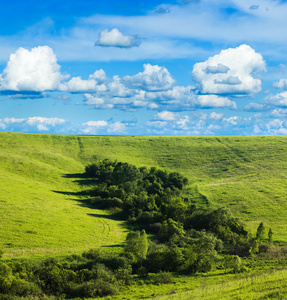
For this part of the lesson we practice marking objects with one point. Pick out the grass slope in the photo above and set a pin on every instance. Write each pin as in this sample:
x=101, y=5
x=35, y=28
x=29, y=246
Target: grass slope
x=41, y=215
x=220, y=286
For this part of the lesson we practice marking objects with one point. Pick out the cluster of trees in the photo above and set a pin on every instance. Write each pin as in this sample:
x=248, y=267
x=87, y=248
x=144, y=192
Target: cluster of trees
x=186, y=238
x=89, y=275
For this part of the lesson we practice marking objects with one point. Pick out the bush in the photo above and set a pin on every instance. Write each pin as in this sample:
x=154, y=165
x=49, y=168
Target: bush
x=234, y=263
x=163, y=278
x=93, y=254
x=95, y=288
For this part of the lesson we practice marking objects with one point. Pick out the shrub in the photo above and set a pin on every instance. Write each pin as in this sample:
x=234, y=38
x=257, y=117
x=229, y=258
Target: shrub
x=163, y=278
x=93, y=254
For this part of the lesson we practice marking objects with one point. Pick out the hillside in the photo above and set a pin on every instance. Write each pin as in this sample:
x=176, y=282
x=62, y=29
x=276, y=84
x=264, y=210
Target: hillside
x=41, y=213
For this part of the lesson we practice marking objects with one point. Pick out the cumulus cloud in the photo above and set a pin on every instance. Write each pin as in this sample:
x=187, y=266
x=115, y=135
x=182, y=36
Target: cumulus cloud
x=115, y=38
x=182, y=122
x=35, y=70
x=232, y=71
x=281, y=84
x=278, y=113
x=44, y=124
x=13, y=120
x=33, y=124
x=216, y=116
x=209, y=101
x=277, y=100
x=167, y=122
x=277, y=126
x=153, y=78
x=95, y=83
x=96, y=123
x=117, y=127
x=93, y=127
x=166, y=116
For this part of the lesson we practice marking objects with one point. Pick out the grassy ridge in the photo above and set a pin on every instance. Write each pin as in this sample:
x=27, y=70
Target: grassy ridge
x=41, y=214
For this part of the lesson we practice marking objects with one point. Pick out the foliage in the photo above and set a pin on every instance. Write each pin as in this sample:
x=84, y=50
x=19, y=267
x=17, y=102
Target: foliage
x=261, y=231
x=136, y=245
x=163, y=278
x=153, y=199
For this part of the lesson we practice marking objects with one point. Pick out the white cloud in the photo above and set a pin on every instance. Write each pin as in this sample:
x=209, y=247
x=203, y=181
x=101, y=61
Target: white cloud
x=35, y=70
x=13, y=120
x=96, y=123
x=95, y=83
x=255, y=107
x=33, y=124
x=216, y=116
x=278, y=99
x=166, y=116
x=209, y=101
x=153, y=78
x=115, y=38
x=47, y=121
x=44, y=124
x=278, y=113
x=167, y=122
x=92, y=127
x=77, y=84
x=157, y=124
x=281, y=84
x=232, y=120
x=240, y=66
x=117, y=127
x=182, y=122
x=97, y=102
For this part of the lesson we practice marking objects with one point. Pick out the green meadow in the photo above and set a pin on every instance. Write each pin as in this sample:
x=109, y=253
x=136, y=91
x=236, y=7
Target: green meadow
x=41, y=213
x=220, y=286
x=44, y=213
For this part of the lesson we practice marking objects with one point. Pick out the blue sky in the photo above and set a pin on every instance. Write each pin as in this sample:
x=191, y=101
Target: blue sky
x=177, y=67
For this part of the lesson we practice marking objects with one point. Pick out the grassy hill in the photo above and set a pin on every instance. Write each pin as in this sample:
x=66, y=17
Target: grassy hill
x=39, y=179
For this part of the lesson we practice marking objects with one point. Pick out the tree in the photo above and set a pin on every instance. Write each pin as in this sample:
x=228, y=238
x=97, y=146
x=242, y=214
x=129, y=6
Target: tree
x=170, y=228
x=260, y=232
x=270, y=236
x=137, y=244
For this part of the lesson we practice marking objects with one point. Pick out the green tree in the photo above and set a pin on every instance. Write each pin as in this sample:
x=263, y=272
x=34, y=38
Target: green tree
x=270, y=236
x=260, y=232
x=137, y=245
x=234, y=263
x=170, y=228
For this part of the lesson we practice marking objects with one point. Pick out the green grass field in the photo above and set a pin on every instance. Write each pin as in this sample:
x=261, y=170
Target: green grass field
x=41, y=214
x=220, y=286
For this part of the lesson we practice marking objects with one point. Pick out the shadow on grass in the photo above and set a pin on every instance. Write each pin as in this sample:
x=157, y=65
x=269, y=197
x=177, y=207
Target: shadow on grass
x=78, y=194
x=83, y=200
x=81, y=178
x=115, y=216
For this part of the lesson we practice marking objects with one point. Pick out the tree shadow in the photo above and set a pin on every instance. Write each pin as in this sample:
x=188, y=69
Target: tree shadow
x=83, y=199
x=81, y=178
x=77, y=194
x=75, y=175
x=114, y=216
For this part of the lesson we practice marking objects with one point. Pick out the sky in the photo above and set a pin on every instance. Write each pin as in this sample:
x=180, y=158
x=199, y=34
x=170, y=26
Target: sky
x=134, y=67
